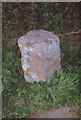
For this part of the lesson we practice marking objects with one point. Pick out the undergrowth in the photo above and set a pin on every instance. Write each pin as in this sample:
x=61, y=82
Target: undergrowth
x=20, y=98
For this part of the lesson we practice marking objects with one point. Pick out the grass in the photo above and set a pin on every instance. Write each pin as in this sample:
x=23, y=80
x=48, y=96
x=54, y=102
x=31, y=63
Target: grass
x=21, y=96
x=18, y=95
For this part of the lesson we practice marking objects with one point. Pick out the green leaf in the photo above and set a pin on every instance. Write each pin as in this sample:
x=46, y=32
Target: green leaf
x=47, y=14
x=66, y=8
x=50, y=22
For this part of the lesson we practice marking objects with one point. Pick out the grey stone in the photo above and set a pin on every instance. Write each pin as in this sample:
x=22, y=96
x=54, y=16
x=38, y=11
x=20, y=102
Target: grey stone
x=61, y=112
x=40, y=55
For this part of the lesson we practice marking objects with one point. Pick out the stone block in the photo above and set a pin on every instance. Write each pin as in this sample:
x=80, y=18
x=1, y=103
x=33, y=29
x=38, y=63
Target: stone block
x=40, y=55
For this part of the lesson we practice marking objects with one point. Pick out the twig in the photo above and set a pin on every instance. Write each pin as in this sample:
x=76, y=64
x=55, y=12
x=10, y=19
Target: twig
x=70, y=33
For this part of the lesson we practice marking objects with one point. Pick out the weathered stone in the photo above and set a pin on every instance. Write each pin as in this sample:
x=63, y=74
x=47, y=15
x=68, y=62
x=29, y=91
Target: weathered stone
x=40, y=55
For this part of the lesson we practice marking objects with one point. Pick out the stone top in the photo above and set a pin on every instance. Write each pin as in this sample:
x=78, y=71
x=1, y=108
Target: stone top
x=39, y=36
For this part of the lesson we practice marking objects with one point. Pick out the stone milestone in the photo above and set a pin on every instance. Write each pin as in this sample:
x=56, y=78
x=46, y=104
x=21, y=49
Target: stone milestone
x=40, y=55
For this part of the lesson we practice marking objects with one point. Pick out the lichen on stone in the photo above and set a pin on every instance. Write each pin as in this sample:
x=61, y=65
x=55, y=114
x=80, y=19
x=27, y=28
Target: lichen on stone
x=40, y=55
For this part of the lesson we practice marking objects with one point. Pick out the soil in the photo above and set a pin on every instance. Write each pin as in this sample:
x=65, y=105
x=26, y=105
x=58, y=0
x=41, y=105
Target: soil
x=61, y=112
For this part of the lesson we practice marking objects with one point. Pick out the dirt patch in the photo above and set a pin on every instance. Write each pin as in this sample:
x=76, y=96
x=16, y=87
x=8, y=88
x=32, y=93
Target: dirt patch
x=61, y=112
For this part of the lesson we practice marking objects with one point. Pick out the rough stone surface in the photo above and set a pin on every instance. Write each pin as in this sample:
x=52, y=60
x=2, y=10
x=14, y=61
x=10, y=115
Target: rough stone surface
x=61, y=112
x=40, y=55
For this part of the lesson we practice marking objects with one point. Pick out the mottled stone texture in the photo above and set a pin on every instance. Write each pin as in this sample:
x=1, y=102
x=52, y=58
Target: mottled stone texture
x=40, y=55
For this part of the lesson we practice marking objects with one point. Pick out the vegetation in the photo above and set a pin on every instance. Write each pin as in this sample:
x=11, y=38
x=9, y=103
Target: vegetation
x=20, y=99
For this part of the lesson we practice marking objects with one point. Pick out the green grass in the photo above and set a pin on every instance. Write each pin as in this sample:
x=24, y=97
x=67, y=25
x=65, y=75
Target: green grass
x=18, y=95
